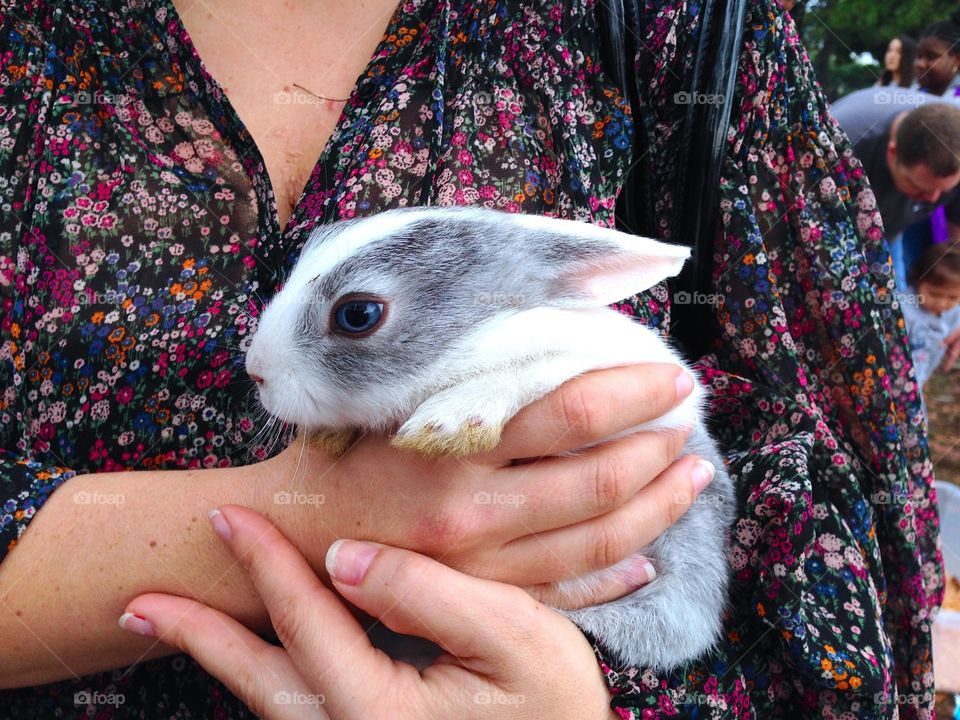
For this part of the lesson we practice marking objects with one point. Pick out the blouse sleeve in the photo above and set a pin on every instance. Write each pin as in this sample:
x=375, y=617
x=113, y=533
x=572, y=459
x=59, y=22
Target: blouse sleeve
x=836, y=571
x=25, y=482
x=24, y=486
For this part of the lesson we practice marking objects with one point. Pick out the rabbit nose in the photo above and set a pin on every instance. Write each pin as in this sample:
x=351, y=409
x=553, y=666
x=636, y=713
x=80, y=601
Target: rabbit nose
x=256, y=378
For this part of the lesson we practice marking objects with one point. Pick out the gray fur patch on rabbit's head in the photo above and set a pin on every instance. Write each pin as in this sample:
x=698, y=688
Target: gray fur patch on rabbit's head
x=440, y=273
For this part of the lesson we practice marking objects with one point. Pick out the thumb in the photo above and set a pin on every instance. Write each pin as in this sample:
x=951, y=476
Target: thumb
x=489, y=627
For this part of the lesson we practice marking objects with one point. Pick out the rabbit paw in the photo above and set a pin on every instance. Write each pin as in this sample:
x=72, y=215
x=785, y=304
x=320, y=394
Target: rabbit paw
x=469, y=417
x=333, y=442
x=436, y=437
x=461, y=420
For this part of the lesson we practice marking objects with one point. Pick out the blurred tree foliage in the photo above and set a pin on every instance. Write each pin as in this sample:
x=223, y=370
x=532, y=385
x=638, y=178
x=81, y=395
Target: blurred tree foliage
x=837, y=32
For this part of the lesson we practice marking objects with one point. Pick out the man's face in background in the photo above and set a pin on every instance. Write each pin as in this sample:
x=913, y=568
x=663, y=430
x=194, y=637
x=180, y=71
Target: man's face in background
x=918, y=182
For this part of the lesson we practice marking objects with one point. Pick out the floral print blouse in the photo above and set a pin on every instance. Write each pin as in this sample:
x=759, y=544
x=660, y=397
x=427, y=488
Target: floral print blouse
x=139, y=234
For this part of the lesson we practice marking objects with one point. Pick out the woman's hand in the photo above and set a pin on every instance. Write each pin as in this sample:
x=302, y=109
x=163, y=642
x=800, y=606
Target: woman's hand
x=528, y=524
x=508, y=655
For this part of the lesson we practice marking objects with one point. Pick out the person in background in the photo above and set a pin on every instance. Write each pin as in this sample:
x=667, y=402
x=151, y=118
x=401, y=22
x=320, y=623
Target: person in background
x=938, y=58
x=912, y=157
x=898, y=62
x=931, y=309
x=935, y=69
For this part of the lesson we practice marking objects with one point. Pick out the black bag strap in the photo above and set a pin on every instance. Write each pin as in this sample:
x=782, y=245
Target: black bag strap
x=701, y=148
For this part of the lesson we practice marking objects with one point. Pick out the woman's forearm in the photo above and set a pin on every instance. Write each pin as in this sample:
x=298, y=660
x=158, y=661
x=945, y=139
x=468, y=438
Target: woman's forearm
x=101, y=540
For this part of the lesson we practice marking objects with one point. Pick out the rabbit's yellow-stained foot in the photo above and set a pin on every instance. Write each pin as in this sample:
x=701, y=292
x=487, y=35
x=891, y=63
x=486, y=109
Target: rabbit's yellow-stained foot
x=432, y=440
x=333, y=442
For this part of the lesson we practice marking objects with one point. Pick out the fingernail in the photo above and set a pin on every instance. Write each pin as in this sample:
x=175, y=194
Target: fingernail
x=220, y=525
x=702, y=473
x=684, y=384
x=348, y=560
x=642, y=572
x=137, y=624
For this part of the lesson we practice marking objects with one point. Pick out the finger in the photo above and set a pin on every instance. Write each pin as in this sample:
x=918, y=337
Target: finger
x=546, y=494
x=559, y=491
x=592, y=407
x=606, y=540
x=486, y=626
x=552, y=493
x=603, y=589
x=258, y=673
x=322, y=637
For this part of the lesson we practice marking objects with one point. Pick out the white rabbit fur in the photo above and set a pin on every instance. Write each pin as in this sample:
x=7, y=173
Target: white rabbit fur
x=485, y=313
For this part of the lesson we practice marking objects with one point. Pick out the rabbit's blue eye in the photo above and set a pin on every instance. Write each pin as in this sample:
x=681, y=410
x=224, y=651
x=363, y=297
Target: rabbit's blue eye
x=358, y=316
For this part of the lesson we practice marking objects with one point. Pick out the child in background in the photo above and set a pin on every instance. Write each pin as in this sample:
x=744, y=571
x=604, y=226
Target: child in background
x=932, y=310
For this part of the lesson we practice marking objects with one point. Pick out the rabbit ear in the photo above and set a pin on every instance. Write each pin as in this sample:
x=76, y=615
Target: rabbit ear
x=594, y=266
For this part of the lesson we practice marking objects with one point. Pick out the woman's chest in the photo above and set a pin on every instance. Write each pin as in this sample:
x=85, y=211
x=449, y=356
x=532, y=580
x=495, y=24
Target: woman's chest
x=287, y=74
x=290, y=139
x=155, y=245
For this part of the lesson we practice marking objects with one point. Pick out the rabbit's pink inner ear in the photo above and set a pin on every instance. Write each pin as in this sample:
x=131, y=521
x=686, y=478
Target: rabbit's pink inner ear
x=625, y=273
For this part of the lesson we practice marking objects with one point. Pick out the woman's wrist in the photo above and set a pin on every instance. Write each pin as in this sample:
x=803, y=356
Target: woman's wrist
x=297, y=491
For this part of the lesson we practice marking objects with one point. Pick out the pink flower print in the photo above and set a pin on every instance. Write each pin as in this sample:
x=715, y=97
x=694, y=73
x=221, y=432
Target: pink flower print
x=7, y=268
x=203, y=126
x=667, y=708
x=185, y=150
x=204, y=148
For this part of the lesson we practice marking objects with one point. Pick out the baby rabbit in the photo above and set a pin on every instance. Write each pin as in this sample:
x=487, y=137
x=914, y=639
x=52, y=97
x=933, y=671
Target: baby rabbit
x=440, y=324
